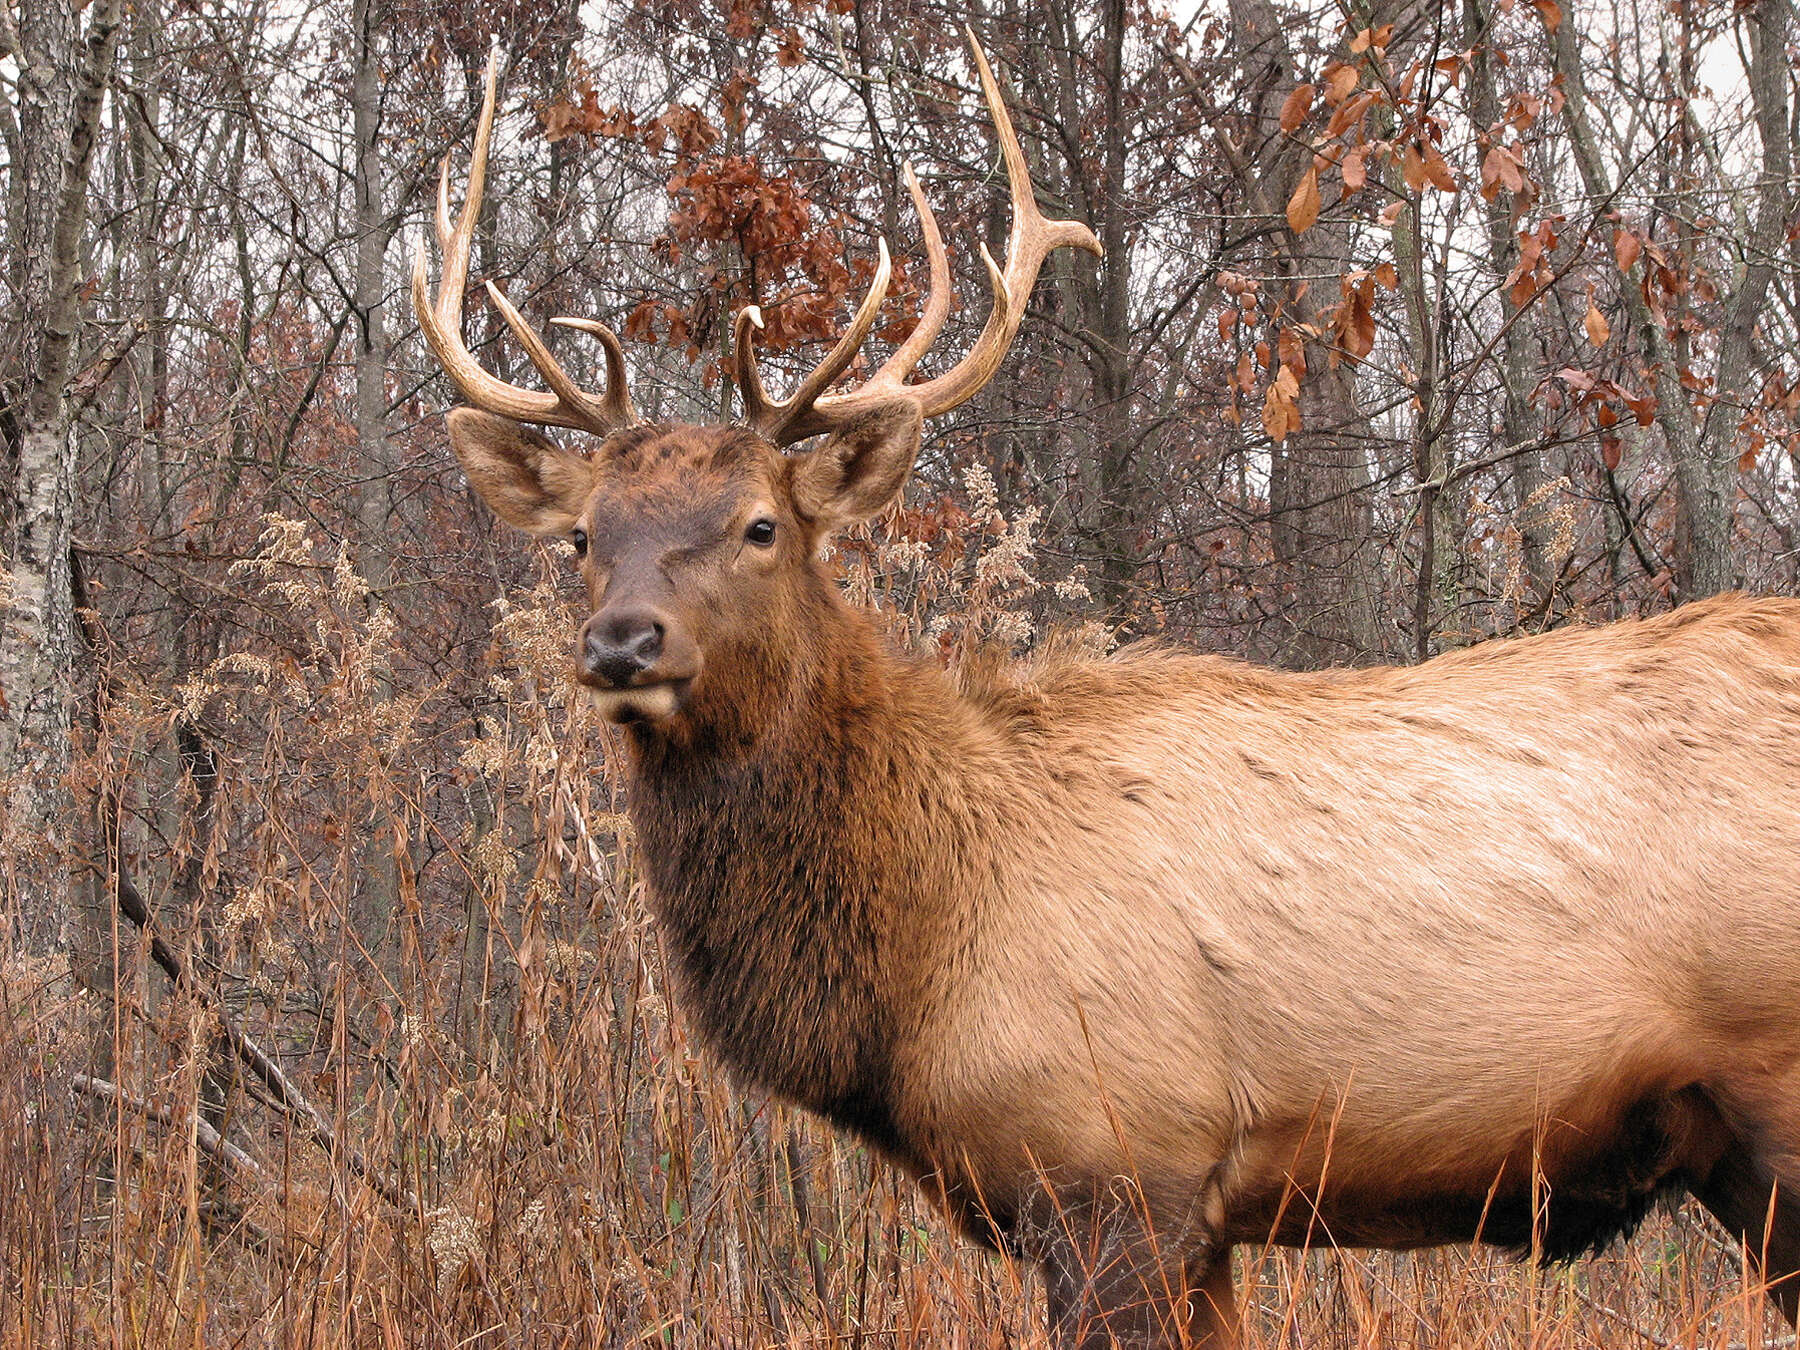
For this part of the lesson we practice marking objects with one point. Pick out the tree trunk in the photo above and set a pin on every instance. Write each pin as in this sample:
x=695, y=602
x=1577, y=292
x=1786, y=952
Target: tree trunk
x=1520, y=427
x=1709, y=474
x=1110, y=352
x=1320, y=514
x=1704, y=454
x=61, y=84
x=374, y=502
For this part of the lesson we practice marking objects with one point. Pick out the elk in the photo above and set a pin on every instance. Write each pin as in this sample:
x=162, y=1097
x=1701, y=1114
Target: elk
x=1131, y=959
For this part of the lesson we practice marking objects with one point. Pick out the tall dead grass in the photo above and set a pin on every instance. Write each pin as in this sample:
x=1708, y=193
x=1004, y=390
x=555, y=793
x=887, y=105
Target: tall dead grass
x=417, y=895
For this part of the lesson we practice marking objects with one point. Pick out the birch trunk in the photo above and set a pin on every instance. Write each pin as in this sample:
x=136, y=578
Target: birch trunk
x=62, y=81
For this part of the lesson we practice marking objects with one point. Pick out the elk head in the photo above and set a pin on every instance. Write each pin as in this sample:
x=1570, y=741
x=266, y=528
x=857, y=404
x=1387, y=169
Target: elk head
x=699, y=544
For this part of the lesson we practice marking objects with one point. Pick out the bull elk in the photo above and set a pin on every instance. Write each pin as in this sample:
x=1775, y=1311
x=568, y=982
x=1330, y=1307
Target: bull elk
x=1131, y=959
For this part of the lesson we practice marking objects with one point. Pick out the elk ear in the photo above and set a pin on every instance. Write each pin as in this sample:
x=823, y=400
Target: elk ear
x=861, y=466
x=528, y=479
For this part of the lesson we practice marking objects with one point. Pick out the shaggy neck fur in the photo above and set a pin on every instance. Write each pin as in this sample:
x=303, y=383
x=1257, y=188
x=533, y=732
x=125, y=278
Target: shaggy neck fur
x=798, y=855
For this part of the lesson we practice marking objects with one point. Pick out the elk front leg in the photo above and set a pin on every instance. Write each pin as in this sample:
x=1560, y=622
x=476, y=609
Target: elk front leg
x=1754, y=1187
x=1119, y=1295
x=1213, y=1319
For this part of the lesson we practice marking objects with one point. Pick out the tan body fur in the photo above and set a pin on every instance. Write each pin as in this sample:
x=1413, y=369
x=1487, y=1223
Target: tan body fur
x=1438, y=919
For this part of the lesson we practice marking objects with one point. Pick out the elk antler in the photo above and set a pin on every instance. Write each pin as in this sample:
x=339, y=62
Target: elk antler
x=568, y=405
x=809, y=411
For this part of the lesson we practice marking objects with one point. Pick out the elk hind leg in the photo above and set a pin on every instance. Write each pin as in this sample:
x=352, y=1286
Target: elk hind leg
x=1754, y=1191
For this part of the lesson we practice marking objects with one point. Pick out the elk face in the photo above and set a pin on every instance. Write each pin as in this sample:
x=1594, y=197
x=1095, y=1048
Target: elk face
x=696, y=544
x=700, y=542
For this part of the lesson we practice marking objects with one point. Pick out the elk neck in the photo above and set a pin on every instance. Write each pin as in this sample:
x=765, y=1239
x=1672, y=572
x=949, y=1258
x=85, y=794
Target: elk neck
x=813, y=849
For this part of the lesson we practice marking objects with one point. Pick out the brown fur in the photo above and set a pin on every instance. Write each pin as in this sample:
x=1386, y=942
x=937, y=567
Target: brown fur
x=1130, y=960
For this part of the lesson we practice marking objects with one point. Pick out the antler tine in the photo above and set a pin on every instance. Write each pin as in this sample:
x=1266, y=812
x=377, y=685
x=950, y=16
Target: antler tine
x=618, y=403
x=1031, y=239
x=601, y=415
x=792, y=418
x=441, y=321
x=937, y=301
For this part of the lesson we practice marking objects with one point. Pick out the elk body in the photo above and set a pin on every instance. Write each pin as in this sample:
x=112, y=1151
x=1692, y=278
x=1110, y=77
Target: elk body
x=1129, y=960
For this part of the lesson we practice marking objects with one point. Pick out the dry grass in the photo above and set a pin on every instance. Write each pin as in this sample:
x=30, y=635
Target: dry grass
x=422, y=902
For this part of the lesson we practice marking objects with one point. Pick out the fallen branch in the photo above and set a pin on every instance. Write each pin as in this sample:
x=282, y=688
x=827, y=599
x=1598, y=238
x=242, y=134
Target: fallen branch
x=205, y=1135
x=293, y=1102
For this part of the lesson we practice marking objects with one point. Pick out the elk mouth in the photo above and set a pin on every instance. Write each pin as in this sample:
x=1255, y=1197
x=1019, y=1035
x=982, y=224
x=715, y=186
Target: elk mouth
x=653, y=702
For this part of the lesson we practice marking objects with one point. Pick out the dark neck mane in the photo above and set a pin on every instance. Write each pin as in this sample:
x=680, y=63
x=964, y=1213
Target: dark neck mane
x=804, y=878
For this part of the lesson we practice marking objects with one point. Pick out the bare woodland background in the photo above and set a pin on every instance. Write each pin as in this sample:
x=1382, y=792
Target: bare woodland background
x=1416, y=326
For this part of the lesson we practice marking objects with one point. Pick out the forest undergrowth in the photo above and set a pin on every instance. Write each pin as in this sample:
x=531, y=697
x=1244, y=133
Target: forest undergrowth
x=400, y=1066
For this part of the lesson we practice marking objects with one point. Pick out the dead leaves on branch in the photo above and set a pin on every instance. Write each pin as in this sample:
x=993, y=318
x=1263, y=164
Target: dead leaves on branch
x=1422, y=164
x=1348, y=333
x=1353, y=321
x=761, y=233
x=1281, y=406
x=1375, y=123
x=1412, y=141
x=1599, y=402
x=1532, y=274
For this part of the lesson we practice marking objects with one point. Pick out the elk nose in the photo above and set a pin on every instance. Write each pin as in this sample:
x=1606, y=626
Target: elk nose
x=618, y=647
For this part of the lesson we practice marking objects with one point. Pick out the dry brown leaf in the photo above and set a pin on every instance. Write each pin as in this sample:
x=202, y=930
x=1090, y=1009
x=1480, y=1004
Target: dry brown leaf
x=1500, y=168
x=1303, y=206
x=1340, y=82
x=1281, y=408
x=1350, y=112
x=1358, y=325
x=1437, y=170
x=1412, y=167
x=1296, y=106
x=1626, y=247
x=1598, y=329
x=1291, y=348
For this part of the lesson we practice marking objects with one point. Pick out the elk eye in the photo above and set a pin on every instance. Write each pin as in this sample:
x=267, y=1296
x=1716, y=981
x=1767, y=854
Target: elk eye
x=761, y=532
x=579, y=538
